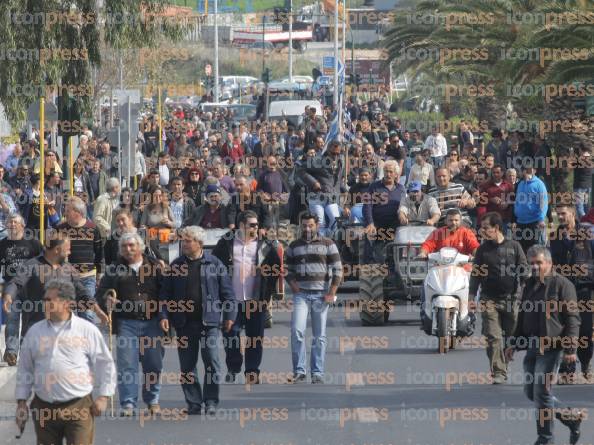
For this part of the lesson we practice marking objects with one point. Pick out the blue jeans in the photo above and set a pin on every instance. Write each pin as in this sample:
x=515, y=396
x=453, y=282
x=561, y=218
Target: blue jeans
x=139, y=338
x=303, y=303
x=437, y=161
x=539, y=372
x=193, y=336
x=323, y=209
x=90, y=285
x=11, y=333
x=250, y=316
x=582, y=201
x=357, y=213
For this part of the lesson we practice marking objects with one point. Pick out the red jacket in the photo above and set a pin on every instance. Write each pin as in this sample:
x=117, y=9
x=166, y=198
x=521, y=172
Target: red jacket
x=235, y=151
x=489, y=191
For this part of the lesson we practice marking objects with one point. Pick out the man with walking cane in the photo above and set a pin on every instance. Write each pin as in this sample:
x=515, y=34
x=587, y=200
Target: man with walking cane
x=63, y=378
x=136, y=280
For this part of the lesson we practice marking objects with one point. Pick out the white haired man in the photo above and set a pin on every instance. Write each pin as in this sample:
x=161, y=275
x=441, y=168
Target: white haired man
x=206, y=293
x=136, y=279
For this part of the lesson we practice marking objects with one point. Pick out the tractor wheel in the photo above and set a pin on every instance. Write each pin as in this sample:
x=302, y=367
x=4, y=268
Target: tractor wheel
x=372, y=293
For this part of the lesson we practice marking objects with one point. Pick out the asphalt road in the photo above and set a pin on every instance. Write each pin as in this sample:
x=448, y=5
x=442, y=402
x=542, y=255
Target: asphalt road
x=385, y=385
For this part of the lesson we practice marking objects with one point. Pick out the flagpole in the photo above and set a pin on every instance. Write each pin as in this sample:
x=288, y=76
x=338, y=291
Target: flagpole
x=41, y=170
x=335, y=102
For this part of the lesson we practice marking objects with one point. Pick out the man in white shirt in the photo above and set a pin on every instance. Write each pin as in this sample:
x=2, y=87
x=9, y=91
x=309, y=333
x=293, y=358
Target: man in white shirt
x=421, y=171
x=163, y=169
x=63, y=360
x=438, y=146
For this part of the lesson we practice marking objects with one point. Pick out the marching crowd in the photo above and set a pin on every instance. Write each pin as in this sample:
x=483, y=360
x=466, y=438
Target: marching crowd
x=108, y=248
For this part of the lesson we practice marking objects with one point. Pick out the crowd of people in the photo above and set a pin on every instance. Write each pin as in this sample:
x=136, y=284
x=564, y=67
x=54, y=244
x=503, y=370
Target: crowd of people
x=111, y=236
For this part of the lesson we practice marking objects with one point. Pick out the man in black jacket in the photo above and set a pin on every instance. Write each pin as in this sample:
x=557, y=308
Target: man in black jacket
x=27, y=286
x=571, y=249
x=500, y=269
x=323, y=176
x=254, y=267
x=548, y=328
x=197, y=294
x=136, y=279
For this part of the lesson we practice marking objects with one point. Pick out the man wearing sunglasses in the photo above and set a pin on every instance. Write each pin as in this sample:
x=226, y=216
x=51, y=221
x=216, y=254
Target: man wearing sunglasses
x=254, y=267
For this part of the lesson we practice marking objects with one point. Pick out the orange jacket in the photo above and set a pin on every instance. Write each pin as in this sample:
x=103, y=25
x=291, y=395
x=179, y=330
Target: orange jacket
x=462, y=239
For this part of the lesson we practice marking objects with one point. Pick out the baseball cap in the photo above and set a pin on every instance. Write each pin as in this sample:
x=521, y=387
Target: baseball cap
x=213, y=189
x=414, y=186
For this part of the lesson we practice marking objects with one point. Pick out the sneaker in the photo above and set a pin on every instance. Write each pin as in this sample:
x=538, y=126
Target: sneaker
x=10, y=358
x=572, y=420
x=252, y=378
x=297, y=378
x=211, y=409
x=588, y=373
x=127, y=411
x=499, y=379
x=194, y=410
x=155, y=409
x=230, y=377
x=317, y=379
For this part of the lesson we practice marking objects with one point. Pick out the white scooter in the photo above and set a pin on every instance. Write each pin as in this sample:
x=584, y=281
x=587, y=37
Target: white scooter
x=445, y=308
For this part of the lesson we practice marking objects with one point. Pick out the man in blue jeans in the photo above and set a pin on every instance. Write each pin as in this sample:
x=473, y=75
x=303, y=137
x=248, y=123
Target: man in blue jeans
x=548, y=328
x=136, y=280
x=314, y=273
x=194, y=302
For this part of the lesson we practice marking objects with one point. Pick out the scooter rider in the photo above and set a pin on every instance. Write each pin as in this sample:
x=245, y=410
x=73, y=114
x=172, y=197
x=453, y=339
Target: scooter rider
x=452, y=235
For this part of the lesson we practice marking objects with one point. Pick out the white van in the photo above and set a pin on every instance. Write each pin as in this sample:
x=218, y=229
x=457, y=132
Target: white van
x=292, y=110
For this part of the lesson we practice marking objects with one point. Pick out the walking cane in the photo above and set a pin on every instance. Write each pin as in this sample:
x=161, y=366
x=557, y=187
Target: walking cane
x=110, y=331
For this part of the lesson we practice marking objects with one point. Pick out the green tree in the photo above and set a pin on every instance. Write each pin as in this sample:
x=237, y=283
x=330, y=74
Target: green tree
x=68, y=36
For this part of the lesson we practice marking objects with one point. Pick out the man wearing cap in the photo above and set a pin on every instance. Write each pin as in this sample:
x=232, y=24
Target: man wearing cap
x=212, y=214
x=418, y=207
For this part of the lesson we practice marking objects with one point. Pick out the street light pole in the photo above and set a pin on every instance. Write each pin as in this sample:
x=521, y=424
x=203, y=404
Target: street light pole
x=291, y=41
x=216, y=49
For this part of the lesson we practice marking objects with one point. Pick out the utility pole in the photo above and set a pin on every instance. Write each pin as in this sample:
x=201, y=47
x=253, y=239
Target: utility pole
x=121, y=66
x=216, y=49
x=291, y=41
x=263, y=41
x=336, y=55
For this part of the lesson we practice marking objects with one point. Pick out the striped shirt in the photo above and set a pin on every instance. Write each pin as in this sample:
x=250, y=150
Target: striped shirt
x=313, y=263
x=448, y=198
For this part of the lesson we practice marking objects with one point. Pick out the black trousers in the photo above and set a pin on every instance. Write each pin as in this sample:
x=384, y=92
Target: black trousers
x=584, y=353
x=251, y=315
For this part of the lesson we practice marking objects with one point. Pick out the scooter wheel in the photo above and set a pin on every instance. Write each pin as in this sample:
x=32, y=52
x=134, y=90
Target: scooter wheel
x=444, y=345
x=453, y=342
